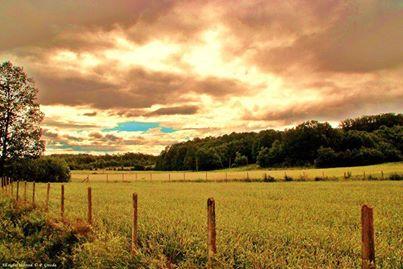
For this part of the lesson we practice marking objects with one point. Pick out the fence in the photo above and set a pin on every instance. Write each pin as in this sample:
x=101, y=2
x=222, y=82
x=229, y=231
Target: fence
x=367, y=220
x=222, y=176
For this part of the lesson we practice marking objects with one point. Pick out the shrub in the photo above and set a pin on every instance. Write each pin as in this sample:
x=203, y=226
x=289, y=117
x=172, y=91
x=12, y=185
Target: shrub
x=288, y=178
x=396, y=177
x=268, y=178
x=372, y=177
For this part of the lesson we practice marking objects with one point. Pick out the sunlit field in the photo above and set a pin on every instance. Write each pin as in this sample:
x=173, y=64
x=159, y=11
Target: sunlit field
x=251, y=172
x=259, y=225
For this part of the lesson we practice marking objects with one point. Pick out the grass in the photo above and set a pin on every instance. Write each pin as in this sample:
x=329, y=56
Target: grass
x=259, y=225
x=251, y=172
x=28, y=237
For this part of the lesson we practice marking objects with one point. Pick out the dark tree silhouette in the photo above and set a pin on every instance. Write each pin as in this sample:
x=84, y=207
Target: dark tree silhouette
x=20, y=116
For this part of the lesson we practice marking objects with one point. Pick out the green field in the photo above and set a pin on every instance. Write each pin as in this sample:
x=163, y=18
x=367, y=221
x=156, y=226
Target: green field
x=251, y=172
x=259, y=225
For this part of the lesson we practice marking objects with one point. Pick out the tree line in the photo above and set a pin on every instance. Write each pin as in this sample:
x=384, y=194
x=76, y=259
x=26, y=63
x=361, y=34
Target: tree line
x=132, y=161
x=359, y=141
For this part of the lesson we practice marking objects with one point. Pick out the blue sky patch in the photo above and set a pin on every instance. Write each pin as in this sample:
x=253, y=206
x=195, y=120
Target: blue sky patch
x=137, y=126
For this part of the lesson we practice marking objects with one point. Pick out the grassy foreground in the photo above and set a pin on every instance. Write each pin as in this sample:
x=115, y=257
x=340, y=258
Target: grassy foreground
x=259, y=225
x=251, y=172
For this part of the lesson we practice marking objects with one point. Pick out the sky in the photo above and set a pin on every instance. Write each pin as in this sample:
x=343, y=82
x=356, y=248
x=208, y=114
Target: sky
x=119, y=76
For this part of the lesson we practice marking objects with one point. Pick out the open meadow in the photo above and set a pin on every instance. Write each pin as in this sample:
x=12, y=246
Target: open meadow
x=252, y=173
x=259, y=225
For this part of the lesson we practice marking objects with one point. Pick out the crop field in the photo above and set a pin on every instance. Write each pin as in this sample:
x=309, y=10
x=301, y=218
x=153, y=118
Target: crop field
x=241, y=174
x=259, y=225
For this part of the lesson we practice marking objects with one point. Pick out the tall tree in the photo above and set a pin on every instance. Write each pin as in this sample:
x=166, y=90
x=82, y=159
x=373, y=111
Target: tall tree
x=20, y=116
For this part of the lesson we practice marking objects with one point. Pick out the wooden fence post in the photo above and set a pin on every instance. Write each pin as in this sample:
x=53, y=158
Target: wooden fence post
x=47, y=197
x=107, y=177
x=62, y=202
x=89, y=206
x=25, y=191
x=134, y=225
x=382, y=174
x=211, y=231
x=18, y=191
x=33, y=193
x=364, y=174
x=169, y=177
x=367, y=237
x=226, y=176
x=184, y=176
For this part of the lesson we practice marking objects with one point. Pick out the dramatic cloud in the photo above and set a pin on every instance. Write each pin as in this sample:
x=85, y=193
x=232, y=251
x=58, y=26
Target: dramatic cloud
x=176, y=110
x=124, y=75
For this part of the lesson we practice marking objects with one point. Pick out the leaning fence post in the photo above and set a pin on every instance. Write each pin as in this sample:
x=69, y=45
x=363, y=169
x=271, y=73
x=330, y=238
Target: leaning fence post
x=134, y=225
x=47, y=197
x=367, y=237
x=89, y=206
x=211, y=231
x=33, y=193
x=62, y=202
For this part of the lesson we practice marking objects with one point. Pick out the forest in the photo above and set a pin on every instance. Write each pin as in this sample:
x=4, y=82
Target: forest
x=133, y=161
x=359, y=141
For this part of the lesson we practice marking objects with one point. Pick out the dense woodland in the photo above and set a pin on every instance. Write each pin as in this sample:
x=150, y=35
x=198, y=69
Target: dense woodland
x=361, y=141
x=133, y=161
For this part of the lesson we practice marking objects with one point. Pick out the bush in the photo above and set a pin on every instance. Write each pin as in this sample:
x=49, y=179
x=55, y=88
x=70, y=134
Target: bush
x=288, y=178
x=395, y=177
x=268, y=178
x=40, y=170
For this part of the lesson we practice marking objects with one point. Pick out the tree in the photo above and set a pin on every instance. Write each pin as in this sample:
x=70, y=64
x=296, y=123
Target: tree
x=263, y=158
x=20, y=116
x=208, y=159
x=327, y=157
x=240, y=160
